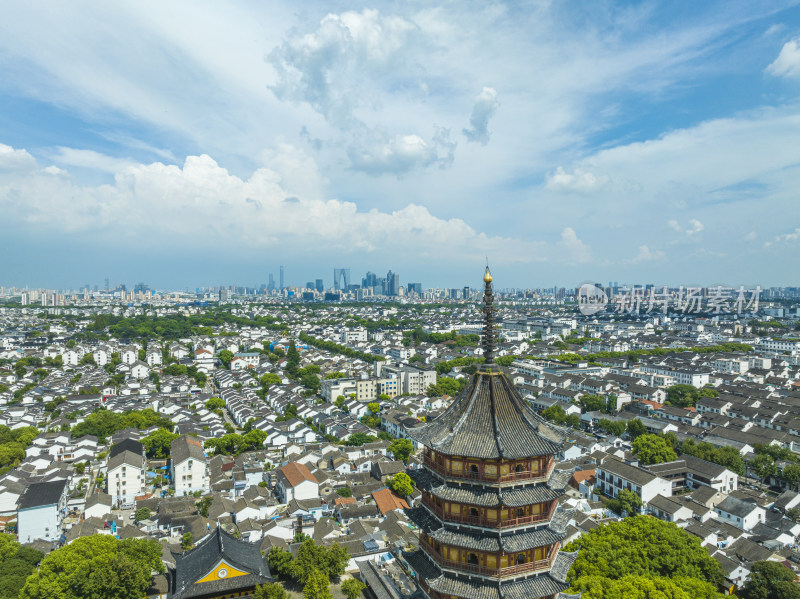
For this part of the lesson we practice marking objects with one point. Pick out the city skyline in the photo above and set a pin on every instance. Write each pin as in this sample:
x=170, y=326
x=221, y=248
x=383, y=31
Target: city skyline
x=184, y=144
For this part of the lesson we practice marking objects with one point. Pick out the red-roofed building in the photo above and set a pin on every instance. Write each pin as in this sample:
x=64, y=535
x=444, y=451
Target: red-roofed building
x=295, y=481
x=387, y=500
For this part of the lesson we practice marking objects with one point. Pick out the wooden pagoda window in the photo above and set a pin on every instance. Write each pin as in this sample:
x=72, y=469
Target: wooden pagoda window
x=473, y=512
x=473, y=468
x=519, y=468
x=472, y=559
x=520, y=512
x=521, y=559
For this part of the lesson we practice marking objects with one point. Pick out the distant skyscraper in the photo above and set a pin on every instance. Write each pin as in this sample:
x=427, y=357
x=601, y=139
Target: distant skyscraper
x=392, y=283
x=415, y=288
x=106, y=284
x=282, y=285
x=271, y=283
x=341, y=275
x=371, y=280
x=320, y=286
x=465, y=294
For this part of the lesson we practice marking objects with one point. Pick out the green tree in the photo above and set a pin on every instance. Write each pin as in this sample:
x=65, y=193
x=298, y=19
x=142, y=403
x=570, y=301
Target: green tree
x=653, y=449
x=335, y=375
x=636, y=428
x=187, y=541
x=358, y=439
x=317, y=586
x=292, y=358
x=793, y=514
x=763, y=466
x=225, y=356
x=401, y=449
x=16, y=563
x=344, y=492
x=446, y=386
x=771, y=580
x=642, y=587
x=682, y=396
x=331, y=561
x=352, y=587
x=627, y=502
x=96, y=566
x=80, y=468
x=271, y=591
x=374, y=407
x=280, y=562
x=157, y=444
x=611, y=427
x=203, y=505
x=401, y=484
x=215, y=403
x=642, y=546
x=87, y=359
x=791, y=474
x=143, y=513
x=593, y=403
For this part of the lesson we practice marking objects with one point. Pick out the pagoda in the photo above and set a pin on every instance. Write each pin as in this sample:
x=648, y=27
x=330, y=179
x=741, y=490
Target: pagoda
x=488, y=522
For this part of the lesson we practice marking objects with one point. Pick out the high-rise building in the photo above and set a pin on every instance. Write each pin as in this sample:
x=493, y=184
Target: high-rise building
x=341, y=279
x=282, y=285
x=415, y=288
x=392, y=283
x=370, y=280
x=488, y=522
x=271, y=283
x=320, y=286
x=465, y=293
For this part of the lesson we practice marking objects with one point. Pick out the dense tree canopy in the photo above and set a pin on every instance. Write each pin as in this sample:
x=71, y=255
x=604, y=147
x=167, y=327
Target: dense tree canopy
x=96, y=566
x=643, y=587
x=641, y=546
x=653, y=449
x=103, y=423
x=729, y=457
x=771, y=580
x=16, y=564
x=157, y=444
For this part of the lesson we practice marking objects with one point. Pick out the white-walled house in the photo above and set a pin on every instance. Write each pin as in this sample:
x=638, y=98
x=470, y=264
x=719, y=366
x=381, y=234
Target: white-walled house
x=295, y=481
x=127, y=469
x=740, y=513
x=41, y=511
x=189, y=467
x=614, y=475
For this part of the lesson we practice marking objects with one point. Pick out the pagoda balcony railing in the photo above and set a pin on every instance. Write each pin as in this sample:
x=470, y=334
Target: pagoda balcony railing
x=484, y=522
x=483, y=476
x=480, y=570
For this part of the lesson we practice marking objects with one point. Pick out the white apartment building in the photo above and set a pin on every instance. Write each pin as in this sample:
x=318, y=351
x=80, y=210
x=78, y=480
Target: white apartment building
x=127, y=468
x=614, y=475
x=188, y=466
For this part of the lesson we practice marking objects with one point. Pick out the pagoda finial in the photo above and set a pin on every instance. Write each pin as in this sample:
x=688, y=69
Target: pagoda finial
x=488, y=318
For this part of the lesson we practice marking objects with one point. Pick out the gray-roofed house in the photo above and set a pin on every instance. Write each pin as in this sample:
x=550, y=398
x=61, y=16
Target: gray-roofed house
x=41, y=511
x=740, y=513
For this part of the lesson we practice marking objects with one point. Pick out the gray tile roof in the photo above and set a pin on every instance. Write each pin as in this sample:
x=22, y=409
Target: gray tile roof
x=490, y=420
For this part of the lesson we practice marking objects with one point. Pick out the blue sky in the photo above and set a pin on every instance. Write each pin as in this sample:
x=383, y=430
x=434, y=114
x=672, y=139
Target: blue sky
x=191, y=144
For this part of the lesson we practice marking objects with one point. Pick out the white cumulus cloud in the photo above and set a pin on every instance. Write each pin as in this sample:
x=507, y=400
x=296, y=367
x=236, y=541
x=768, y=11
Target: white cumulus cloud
x=788, y=62
x=579, y=180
